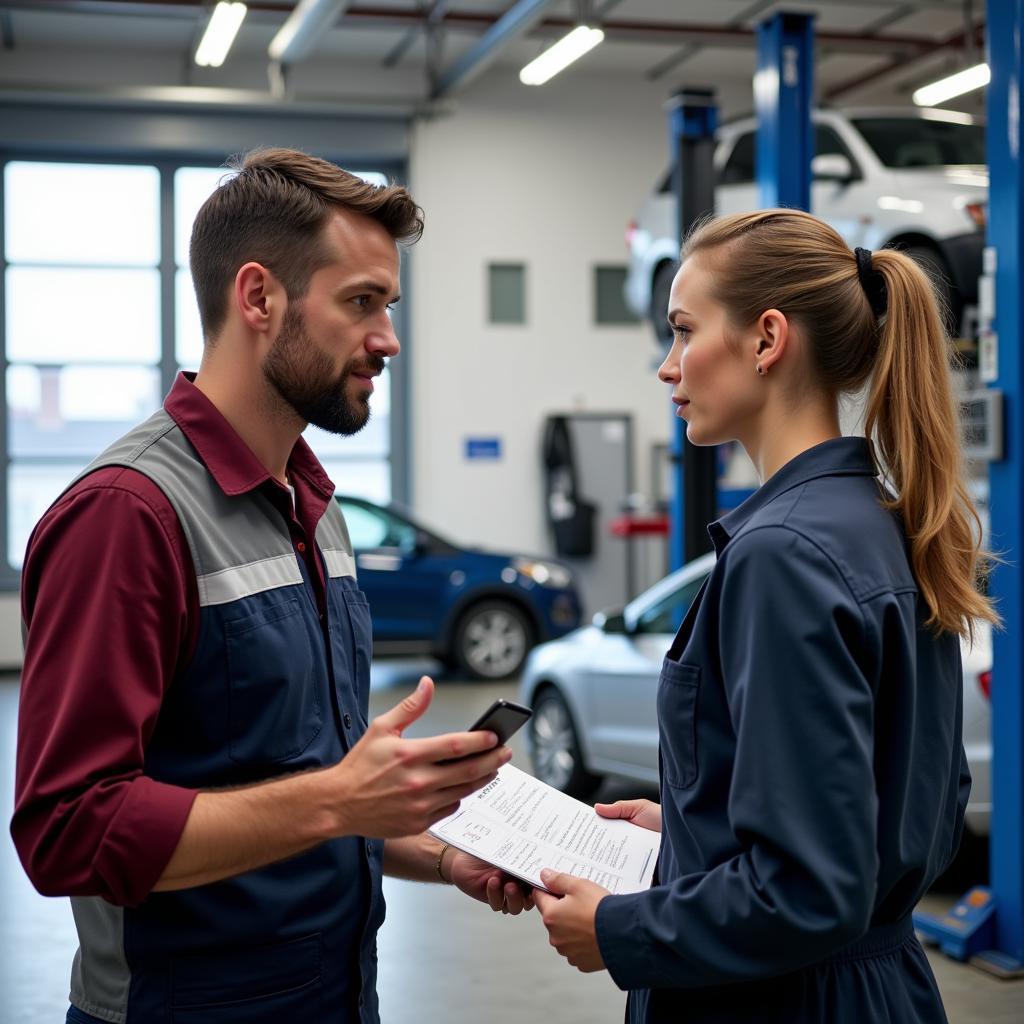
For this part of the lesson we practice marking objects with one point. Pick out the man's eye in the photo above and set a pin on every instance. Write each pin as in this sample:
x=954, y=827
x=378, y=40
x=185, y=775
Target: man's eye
x=362, y=301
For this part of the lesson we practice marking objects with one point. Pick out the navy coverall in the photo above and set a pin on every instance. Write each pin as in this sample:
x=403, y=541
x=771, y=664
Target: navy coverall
x=813, y=780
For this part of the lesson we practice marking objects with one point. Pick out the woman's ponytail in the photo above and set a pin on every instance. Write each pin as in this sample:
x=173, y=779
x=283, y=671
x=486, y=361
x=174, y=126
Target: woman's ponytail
x=913, y=421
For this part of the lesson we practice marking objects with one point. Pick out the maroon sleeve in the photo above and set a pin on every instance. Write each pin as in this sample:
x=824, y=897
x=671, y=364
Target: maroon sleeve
x=108, y=598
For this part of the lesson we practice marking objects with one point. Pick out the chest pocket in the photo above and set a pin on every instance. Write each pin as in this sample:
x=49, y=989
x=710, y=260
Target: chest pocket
x=677, y=722
x=274, y=691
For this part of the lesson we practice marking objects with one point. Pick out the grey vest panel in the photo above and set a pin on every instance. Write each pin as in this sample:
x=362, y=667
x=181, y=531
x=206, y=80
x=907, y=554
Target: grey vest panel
x=238, y=548
x=100, y=976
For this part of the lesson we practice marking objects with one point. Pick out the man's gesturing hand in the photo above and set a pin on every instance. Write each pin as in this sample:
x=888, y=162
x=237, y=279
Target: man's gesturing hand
x=569, y=911
x=388, y=786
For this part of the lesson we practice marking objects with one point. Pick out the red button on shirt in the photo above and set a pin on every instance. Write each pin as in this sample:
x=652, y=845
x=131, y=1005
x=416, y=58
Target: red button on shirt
x=300, y=547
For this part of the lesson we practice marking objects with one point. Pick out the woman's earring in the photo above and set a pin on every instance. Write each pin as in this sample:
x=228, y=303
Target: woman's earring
x=760, y=370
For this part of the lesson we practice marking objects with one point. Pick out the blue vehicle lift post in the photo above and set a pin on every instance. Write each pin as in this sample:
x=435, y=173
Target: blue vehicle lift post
x=783, y=94
x=693, y=118
x=987, y=925
x=1006, y=477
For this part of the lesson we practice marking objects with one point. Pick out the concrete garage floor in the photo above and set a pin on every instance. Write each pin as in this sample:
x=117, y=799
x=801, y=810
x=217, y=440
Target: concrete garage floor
x=442, y=957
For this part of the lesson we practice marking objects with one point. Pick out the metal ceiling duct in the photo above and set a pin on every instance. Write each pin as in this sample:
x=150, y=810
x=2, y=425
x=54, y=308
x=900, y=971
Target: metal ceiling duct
x=302, y=30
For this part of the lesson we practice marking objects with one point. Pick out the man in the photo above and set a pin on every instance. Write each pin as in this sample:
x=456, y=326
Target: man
x=195, y=768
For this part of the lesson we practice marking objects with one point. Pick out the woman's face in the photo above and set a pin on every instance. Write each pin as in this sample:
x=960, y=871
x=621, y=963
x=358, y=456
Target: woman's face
x=715, y=384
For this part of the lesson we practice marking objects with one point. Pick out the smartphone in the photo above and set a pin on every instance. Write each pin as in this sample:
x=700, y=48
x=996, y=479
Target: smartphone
x=504, y=718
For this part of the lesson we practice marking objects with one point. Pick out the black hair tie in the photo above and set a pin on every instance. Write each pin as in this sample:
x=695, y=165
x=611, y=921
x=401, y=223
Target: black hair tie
x=871, y=281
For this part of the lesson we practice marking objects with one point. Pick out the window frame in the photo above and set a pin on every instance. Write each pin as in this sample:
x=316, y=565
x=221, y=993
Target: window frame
x=166, y=163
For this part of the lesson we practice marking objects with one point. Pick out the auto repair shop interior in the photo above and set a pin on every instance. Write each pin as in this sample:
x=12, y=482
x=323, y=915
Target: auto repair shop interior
x=527, y=518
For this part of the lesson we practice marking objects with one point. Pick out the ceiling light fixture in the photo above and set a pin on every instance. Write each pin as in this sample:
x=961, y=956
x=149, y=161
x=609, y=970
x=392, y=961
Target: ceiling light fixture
x=220, y=33
x=953, y=85
x=579, y=41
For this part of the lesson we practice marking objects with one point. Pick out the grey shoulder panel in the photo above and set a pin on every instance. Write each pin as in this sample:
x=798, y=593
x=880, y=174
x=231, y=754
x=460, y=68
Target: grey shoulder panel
x=239, y=543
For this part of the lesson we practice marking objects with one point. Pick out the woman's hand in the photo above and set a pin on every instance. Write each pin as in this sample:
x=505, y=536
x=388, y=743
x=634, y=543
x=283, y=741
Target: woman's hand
x=486, y=883
x=645, y=813
x=569, y=912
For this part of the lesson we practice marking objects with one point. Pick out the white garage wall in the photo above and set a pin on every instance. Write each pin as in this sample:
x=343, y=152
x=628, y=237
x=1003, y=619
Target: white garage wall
x=548, y=177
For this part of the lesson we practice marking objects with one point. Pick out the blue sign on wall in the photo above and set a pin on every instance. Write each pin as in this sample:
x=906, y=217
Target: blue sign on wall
x=483, y=447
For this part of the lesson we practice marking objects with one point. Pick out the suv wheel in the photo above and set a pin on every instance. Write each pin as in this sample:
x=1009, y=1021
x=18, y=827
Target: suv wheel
x=555, y=748
x=661, y=290
x=492, y=640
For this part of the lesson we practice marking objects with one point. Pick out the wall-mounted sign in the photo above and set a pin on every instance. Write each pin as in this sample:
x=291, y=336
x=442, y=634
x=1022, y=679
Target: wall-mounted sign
x=483, y=447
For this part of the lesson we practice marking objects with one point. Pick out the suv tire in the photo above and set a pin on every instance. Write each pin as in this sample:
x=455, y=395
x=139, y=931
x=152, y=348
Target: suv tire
x=661, y=289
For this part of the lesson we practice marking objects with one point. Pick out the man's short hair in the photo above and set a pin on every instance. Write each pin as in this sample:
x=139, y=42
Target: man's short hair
x=273, y=212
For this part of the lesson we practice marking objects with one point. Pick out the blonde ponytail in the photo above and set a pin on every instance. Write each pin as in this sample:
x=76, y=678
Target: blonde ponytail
x=912, y=419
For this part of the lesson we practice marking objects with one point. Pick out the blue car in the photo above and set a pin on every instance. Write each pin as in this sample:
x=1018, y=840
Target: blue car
x=477, y=611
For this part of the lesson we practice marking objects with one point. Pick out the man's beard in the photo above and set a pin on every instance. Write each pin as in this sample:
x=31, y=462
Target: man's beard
x=303, y=376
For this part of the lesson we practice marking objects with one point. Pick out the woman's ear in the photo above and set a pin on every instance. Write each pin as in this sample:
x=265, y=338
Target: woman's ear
x=772, y=339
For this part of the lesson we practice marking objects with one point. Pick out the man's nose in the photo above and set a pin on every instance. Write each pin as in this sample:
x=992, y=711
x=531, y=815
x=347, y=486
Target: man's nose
x=383, y=339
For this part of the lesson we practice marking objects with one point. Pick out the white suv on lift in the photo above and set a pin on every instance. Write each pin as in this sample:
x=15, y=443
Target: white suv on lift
x=914, y=179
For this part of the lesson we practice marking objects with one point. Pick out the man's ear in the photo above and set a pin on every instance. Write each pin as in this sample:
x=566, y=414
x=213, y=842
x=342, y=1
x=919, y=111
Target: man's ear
x=258, y=297
x=772, y=338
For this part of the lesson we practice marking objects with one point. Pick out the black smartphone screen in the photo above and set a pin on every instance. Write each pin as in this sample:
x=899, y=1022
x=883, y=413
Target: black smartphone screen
x=503, y=718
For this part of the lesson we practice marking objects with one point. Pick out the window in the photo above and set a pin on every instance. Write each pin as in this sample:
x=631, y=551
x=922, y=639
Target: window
x=86, y=341
x=371, y=529
x=609, y=298
x=82, y=326
x=923, y=142
x=507, y=293
x=667, y=615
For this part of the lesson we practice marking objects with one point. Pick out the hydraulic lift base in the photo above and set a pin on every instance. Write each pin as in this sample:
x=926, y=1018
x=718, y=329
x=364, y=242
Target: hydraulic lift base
x=966, y=933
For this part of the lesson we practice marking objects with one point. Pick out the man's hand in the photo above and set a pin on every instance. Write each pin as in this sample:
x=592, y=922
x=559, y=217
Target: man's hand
x=486, y=883
x=387, y=786
x=568, y=911
x=644, y=813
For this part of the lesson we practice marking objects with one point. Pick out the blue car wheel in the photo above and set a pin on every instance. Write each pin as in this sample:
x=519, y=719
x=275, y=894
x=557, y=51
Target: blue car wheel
x=492, y=640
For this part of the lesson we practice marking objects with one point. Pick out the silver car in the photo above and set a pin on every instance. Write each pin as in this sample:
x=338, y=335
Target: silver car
x=593, y=695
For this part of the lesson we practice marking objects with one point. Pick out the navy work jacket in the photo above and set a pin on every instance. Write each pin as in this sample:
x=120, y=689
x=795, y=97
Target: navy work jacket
x=813, y=780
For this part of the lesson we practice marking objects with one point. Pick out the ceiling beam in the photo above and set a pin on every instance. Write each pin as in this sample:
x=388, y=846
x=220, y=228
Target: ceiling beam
x=950, y=42
x=512, y=25
x=433, y=17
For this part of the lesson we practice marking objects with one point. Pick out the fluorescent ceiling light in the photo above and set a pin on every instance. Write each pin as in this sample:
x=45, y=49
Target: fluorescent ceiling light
x=954, y=85
x=220, y=33
x=579, y=41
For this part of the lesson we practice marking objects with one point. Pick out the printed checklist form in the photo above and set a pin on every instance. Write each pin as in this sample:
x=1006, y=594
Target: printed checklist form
x=522, y=825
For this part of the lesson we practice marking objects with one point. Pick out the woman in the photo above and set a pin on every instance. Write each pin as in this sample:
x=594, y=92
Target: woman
x=813, y=780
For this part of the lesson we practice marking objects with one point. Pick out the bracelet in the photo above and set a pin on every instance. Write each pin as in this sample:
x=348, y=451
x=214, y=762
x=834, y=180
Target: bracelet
x=440, y=859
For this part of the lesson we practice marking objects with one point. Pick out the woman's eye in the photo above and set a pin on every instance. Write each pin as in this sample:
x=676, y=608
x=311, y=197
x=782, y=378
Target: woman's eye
x=680, y=331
